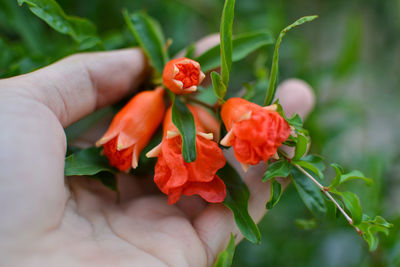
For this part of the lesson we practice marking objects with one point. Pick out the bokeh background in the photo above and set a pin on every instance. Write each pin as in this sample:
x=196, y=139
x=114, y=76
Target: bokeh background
x=350, y=56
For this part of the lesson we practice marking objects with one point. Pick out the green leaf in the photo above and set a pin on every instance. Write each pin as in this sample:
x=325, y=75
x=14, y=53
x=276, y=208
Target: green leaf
x=301, y=146
x=225, y=257
x=226, y=39
x=341, y=178
x=218, y=85
x=90, y=163
x=310, y=166
x=370, y=228
x=184, y=121
x=150, y=37
x=81, y=30
x=277, y=169
x=242, y=45
x=237, y=200
x=352, y=203
x=308, y=192
x=275, y=194
x=296, y=121
x=86, y=162
x=275, y=60
x=306, y=224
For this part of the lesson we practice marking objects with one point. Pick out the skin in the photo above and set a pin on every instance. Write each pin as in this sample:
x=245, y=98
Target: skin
x=50, y=220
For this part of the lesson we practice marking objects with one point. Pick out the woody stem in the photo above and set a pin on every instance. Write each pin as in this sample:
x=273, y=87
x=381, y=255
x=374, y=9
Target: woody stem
x=325, y=191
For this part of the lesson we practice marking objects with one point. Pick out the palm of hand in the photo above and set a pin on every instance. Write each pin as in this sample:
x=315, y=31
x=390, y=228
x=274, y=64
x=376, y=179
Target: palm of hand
x=50, y=221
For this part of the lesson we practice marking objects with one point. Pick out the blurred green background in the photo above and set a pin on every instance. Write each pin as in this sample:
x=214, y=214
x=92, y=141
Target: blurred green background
x=350, y=56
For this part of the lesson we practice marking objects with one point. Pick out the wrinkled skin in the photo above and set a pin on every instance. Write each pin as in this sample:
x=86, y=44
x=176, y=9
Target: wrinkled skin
x=47, y=220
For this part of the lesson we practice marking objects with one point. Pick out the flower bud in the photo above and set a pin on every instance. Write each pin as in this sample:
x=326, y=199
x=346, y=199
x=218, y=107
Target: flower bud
x=132, y=128
x=182, y=75
x=175, y=177
x=255, y=132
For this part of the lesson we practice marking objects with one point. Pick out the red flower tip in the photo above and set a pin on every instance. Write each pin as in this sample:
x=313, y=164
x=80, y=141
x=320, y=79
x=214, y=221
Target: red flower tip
x=182, y=75
x=175, y=177
x=132, y=128
x=255, y=132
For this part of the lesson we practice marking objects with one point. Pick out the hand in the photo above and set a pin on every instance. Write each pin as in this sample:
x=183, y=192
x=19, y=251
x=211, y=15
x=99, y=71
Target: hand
x=49, y=221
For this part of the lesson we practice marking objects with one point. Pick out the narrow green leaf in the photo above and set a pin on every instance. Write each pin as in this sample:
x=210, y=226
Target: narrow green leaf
x=81, y=30
x=301, y=146
x=225, y=257
x=296, y=121
x=275, y=194
x=352, y=203
x=275, y=60
x=150, y=37
x=86, y=162
x=308, y=192
x=310, y=166
x=277, y=169
x=226, y=39
x=338, y=173
x=218, y=85
x=341, y=178
x=237, y=200
x=184, y=121
x=242, y=45
x=370, y=229
x=306, y=224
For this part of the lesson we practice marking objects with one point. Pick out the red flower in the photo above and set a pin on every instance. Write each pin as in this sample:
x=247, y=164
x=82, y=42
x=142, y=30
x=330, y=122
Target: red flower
x=182, y=75
x=132, y=128
x=175, y=177
x=255, y=132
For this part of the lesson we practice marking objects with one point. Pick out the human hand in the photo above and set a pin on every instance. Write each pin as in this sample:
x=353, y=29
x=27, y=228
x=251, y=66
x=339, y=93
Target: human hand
x=47, y=221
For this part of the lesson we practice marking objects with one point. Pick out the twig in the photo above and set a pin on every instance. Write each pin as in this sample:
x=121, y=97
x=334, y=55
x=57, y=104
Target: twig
x=325, y=191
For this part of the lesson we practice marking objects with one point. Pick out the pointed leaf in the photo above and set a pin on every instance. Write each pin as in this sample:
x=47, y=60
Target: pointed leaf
x=275, y=60
x=226, y=39
x=237, y=200
x=275, y=194
x=277, y=169
x=352, y=203
x=86, y=162
x=242, y=45
x=225, y=257
x=150, y=37
x=81, y=30
x=301, y=146
x=218, y=85
x=184, y=121
x=308, y=192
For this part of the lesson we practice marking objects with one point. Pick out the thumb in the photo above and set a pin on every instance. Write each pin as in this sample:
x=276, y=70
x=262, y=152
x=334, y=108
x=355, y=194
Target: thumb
x=77, y=85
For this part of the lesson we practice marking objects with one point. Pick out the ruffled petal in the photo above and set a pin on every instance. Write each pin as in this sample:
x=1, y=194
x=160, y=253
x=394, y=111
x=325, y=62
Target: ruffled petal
x=213, y=191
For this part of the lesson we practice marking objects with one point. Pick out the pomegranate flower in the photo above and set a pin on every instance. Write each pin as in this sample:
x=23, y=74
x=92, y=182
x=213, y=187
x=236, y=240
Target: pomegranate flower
x=132, y=128
x=255, y=132
x=182, y=75
x=175, y=177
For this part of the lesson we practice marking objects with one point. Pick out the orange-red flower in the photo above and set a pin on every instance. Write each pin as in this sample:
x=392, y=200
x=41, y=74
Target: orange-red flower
x=182, y=75
x=175, y=177
x=255, y=132
x=132, y=128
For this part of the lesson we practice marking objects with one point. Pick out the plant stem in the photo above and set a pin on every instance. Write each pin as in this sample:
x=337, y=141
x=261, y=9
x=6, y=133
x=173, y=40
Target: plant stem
x=325, y=191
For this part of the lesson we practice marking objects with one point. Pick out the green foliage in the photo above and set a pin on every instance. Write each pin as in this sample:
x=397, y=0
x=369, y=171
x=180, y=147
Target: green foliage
x=306, y=224
x=279, y=168
x=184, y=121
x=90, y=163
x=218, y=86
x=308, y=192
x=237, y=200
x=341, y=178
x=370, y=228
x=242, y=45
x=301, y=146
x=81, y=30
x=275, y=60
x=226, y=40
x=148, y=34
x=275, y=194
x=225, y=257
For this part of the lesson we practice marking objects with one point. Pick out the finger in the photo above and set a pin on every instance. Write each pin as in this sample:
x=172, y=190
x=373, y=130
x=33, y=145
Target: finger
x=77, y=85
x=215, y=223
